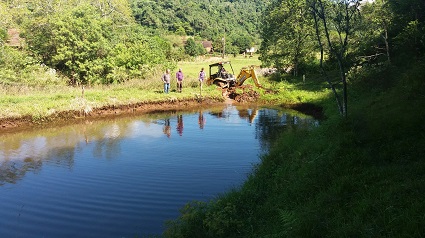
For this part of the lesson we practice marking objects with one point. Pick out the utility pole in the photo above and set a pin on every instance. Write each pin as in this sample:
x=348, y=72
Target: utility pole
x=224, y=43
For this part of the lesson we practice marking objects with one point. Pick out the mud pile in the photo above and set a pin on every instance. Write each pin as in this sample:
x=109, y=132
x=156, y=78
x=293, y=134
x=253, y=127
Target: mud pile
x=243, y=94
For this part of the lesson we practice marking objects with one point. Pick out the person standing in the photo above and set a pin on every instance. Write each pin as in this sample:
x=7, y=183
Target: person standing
x=201, y=78
x=179, y=77
x=166, y=78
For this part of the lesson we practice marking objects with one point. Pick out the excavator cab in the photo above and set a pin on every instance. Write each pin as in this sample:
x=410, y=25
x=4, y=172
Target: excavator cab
x=221, y=74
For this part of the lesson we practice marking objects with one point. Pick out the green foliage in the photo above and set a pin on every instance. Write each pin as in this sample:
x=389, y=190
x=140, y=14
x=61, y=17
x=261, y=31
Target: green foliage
x=193, y=49
x=3, y=36
x=19, y=69
x=288, y=36
x=136, y=54
x=191, y=222
x=80, y=44
x=204, y=18
x=86, y=45
x=411, y=40
x=372, y=35
x=242, y=42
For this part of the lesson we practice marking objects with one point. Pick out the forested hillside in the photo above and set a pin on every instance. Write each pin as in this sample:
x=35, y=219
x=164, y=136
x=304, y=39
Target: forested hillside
x=238, y=20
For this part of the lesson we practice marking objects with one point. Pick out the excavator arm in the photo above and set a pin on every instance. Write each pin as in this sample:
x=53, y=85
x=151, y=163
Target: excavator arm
x=246, y=73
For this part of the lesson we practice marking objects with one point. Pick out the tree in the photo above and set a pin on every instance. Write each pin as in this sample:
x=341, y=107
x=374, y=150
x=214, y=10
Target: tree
x=80, y=43
x=334, y=23
x=242, y=42
x=377, y=20
x=409, y=32
x=193, y=49
x=286, y=35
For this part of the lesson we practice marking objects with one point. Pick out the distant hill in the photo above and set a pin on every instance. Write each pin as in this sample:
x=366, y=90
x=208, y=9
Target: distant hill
x=208, y=19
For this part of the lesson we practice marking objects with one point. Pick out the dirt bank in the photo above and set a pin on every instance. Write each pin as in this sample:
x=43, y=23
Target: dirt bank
x=246, y=95
x=13, y=123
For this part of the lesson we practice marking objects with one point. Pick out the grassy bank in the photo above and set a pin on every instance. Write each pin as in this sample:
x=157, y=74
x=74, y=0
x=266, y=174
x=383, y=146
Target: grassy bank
x=357, y=177
x=45, y=102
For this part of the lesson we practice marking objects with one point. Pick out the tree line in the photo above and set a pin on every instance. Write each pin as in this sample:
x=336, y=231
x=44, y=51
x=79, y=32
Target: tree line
x=340, y=38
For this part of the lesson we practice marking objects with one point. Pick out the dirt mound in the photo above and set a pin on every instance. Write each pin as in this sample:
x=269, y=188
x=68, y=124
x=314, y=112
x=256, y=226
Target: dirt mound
x=243, y=94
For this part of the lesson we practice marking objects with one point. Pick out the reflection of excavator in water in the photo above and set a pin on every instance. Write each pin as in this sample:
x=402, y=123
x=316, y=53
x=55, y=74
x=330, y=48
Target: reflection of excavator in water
x=224, y=79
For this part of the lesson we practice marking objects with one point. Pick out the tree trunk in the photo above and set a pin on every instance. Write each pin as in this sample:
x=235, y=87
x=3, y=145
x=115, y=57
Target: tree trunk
x=387, y=45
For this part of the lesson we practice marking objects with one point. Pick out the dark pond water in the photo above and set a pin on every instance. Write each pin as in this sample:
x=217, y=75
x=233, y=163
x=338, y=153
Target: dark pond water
x=124, y=177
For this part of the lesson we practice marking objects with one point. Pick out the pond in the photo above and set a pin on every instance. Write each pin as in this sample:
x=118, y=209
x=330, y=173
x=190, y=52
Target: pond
x=124, y=177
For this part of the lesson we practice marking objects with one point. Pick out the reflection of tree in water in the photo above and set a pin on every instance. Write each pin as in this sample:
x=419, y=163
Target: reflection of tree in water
x=13, y=171
x=26, y=152
x=108, y=141
x=271, y=124
x=56, y=146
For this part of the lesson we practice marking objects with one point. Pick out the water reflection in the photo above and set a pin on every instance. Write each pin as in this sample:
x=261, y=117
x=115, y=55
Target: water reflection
x=249, y=114
x=167, y=128
x=201, y=119
x=180, y=125
x=27, y=151
x=24, y=152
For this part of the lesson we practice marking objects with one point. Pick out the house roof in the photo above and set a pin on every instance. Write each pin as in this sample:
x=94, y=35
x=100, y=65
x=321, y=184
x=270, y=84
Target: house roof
x=207, y=44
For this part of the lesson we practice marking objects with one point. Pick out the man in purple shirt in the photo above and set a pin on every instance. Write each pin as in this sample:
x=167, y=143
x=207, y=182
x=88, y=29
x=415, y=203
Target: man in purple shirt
x=179, y=77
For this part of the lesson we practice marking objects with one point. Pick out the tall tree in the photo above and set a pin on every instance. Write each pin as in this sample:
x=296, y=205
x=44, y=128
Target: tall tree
x=334, y=23
x=377, y=20
x=287, y=34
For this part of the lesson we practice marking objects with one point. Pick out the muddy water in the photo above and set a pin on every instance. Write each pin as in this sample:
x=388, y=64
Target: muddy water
x=124, y=177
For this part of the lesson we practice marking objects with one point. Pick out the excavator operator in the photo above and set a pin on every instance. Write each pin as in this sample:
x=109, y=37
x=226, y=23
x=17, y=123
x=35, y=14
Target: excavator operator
x=223, y=73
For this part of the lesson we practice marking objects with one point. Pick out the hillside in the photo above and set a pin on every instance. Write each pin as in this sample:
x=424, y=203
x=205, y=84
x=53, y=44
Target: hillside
x=237, y=19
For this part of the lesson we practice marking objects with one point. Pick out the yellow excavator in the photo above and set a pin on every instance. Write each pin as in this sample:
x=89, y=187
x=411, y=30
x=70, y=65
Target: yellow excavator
x=220, y=76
